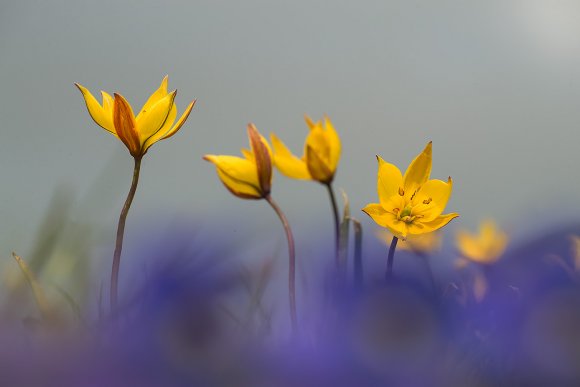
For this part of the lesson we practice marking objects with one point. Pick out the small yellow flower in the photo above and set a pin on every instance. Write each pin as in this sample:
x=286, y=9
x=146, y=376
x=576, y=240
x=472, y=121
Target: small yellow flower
x=321, y=154
x=486, y=247
x=154, y=122
x=410, y=204
x=419, y=244
x=249, y=177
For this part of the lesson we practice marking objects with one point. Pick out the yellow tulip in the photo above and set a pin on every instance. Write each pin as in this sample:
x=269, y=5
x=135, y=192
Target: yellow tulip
x=249, y=177
x=410, y=204
x=320, y=158
x=486, y=247
x=154, y=122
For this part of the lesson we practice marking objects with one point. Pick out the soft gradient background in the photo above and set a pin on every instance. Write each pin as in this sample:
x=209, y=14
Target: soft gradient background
x=495, y=85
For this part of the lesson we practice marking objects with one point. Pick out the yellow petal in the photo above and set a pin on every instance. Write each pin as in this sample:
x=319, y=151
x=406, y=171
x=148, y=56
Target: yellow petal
x=288, y=164
x=248, y=154
x=125, y=125
x=418, y=227
x=333, y=143
x=311, y=124
x=107, y=102
x=103, y=117
x=160, y=135
x=262, y=159
x=238, y=175
x=386, y=219
x=150, y=121
x=157, y=95
x=418, y=172
x=431, y=200
x=389, y=181
x=317, y=168
x=181, y=120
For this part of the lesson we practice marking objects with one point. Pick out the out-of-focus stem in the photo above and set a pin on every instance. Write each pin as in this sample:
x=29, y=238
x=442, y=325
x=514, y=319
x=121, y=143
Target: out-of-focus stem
x=358, y=263
x=120, y=234
x=291, y=262
x=391, y=258
x=336, y=224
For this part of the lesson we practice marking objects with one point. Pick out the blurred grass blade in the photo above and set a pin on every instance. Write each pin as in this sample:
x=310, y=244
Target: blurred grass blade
x=343, y=239
x=74, y=306
x=37, y=290
x=358, y=263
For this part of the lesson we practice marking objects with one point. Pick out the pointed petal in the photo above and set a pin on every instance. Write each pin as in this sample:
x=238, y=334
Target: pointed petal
x=311, y=124
x=418, y=227
x=150, y=121
x=125, y=125
x=157, y=95
x=333, y=143
x=389, y=181
x=102, y=117
x=238, y=175
x=261, y=158
x=181, y=120
x=419, y=170
x=286, y=162
x=431, y=200
x=160, y=135
x=248, y=155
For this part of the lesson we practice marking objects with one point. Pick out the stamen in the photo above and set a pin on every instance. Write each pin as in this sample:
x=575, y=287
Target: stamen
x=396, y=210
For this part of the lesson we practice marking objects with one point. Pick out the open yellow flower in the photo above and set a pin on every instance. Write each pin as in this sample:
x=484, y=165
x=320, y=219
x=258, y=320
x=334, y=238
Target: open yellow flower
x=486, y=247
x=320, y=158
x=249, y=177
x=154, y=122
x=410, y=204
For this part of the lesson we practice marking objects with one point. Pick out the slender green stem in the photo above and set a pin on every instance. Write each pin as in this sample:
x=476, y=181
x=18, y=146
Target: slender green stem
x=358, y=262
x=291, y=262
x=336, y=224
x=120, y=233
x=391, y=258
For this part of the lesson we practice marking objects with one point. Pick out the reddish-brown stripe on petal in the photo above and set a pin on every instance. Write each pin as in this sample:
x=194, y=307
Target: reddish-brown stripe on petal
x=124, y=121
x=262, y=157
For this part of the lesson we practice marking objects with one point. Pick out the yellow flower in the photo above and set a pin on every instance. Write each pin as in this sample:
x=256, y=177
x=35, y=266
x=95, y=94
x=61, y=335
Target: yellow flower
x=419, y=244
x=249, y=177
x=321, y=154
x=410, y=204
x=486, y=247
x=154, y=122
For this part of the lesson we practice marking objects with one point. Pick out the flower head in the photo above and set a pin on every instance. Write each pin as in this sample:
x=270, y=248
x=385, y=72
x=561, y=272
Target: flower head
x=249, y=177
x=320, y=158
x=410, y=204
x=486, y=247
x=154, y=122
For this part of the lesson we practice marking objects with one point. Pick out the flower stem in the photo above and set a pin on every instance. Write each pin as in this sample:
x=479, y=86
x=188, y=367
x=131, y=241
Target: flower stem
x=336, y=223
x=120, y=233
x=291, y=262
x=358, y=262
x=391, y=258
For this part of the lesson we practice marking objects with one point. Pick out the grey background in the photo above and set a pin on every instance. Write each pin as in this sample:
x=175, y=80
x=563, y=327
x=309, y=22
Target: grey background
x=494, y=84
